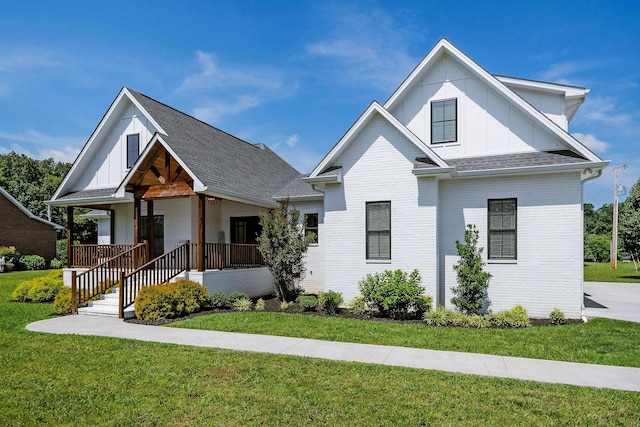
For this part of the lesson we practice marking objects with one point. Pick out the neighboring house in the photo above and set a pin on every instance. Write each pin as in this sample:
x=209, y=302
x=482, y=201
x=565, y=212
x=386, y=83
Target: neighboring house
x=453, y=145
x=30, y=234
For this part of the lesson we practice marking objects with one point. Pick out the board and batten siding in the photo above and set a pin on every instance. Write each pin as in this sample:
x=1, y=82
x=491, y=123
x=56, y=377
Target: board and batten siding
x=548, y=271
x=487, y=123
x=377, y=166
x=108, y=164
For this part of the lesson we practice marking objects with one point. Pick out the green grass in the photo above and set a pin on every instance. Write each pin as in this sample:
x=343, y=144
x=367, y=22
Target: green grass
x=96, y=381
x=602, y=272
x=601, y=341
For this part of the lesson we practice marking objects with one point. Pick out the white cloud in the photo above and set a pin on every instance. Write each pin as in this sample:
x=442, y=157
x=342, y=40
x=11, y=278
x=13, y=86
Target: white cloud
x=592, y=142
x=604, y=110
x=293, y=140
x=370, y=46
x=214, y=111
x=64, y=147
x=212, y=76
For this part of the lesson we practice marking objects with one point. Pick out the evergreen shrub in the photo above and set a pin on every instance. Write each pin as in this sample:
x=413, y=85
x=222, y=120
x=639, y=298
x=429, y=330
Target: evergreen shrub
x=307, y=302
x=330, y=301
x=394, y=294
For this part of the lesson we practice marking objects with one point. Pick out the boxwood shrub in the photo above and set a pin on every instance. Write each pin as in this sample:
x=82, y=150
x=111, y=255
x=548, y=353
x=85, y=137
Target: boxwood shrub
x=157, y=303
x=39, y=289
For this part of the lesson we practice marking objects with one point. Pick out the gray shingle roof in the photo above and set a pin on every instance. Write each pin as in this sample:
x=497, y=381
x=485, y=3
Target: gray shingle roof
x=88, y=194
x=297, y=188
x=505, y=161
x=220, y=160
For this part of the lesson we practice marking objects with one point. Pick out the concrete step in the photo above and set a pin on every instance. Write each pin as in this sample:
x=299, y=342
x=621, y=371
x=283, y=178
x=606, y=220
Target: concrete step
x=107, y=305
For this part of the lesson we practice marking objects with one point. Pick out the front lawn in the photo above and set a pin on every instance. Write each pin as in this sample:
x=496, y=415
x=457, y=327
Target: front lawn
x=602, y=272
x=601, y=341
x=70, y=380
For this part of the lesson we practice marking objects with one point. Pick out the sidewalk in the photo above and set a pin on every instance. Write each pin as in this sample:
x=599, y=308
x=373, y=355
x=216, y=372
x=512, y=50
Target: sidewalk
x=580, y=374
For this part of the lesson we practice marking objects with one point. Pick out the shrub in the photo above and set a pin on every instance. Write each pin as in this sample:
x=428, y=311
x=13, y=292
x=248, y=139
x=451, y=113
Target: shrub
x=259, y=305
x=155, y=303
x=477, y=321
x=357, y=306
x=62, y=301
x=44, y=289
x=515, y=318
x=557, y=317
x=20, y=293
x=307, y=302
x=33, y=262
x=242, y=304
x=235, y=296
x=393, y=293
x=39, y=289
x=190, y=296
x=438, y=317
x=473, y=281
x=218, y=300
x=423, y=304
x=284, y=305
x=56, y=263
x=11, y=256
x=330, y=301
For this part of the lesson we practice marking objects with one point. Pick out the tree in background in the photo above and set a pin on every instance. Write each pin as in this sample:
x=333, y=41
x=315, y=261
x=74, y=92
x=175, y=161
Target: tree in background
x=629, y=225
x=31, y=182
x=283, y=245
x=473, y=281
x=598, y=226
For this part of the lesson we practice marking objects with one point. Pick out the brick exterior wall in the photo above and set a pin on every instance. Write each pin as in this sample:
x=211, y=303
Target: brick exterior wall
x=28, y=235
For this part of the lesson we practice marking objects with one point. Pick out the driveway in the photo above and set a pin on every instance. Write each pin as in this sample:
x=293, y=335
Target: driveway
x=612, y=300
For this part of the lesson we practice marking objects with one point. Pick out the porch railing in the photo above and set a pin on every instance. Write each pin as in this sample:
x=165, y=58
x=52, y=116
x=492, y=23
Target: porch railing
x=155, y=272
x=218, y=256
x=92, y=255
x=95, y=281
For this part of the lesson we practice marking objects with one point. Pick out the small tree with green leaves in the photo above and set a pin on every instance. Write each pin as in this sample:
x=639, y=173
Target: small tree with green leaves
x=283, y=245
x=630, y=224
x=473, y=281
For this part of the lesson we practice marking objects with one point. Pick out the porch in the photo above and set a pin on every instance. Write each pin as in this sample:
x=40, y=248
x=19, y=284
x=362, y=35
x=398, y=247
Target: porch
x=97, y=270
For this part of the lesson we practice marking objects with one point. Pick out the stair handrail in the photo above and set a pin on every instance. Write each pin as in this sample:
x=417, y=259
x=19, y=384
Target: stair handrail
x=99, y=278
x=155, y=272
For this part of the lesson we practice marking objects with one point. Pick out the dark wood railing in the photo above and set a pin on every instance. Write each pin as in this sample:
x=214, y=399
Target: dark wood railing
x=95, y=281
x=92, y=255
x=218, y=256
x=155, y=272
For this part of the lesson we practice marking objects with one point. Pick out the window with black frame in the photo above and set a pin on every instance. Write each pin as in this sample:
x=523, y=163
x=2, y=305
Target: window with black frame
x=502, y=218
x=378, y=226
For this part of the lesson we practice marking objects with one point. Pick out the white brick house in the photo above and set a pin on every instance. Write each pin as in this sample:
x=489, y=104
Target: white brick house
x=453, y=145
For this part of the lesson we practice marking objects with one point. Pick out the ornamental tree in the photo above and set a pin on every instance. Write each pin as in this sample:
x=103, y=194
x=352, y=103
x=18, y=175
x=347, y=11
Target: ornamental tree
x=283, y=245
x=473, y=281
x=630, y=224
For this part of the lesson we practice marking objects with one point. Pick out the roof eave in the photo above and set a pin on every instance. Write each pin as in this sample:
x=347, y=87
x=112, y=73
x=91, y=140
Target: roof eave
x=307, y=198
x=534, y=169
x=237, y=197
x=434, y=171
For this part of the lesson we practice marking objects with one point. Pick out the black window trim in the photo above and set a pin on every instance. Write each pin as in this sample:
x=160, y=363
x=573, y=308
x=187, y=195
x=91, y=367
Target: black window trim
x=313, y=229
x=514, y=230
x=130, y=163
x=455, y=139
x=367, y=232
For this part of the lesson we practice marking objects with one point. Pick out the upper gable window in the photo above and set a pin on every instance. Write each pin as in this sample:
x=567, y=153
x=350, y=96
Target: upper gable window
x=444, y=117
x=133, y=149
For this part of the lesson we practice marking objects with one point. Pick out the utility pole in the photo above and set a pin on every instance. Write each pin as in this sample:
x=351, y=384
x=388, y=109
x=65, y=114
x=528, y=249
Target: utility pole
x=614, y=234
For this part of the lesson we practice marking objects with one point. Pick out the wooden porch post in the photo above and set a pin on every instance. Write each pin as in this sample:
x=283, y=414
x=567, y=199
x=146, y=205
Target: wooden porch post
x=69, y=235
x=201, y=230
x=150, y=229
x=136, y=220
x=112, y=226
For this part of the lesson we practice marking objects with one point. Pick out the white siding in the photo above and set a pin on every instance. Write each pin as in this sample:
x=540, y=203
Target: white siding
x=313, y=282
x=123, y=223
x=488, y=123
x=377, y=167
x=256, y=282
x=106, y=164
x=548, y=271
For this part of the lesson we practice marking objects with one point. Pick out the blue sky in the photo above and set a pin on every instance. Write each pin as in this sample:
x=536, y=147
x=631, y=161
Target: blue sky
x=296, y=74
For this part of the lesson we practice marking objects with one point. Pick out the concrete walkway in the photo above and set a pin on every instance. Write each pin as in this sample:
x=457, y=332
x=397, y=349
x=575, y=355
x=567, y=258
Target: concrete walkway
x=580, y=374
x=612, y=300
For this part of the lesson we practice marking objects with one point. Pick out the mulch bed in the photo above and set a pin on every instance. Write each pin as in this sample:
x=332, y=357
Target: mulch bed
x=272, y=304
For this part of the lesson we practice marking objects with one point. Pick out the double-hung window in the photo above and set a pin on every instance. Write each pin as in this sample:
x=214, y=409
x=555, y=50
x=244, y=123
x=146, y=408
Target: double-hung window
x=378, y=230
x=311, y=226
x=502, y=229
x=444, y=118
x=133, y=149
